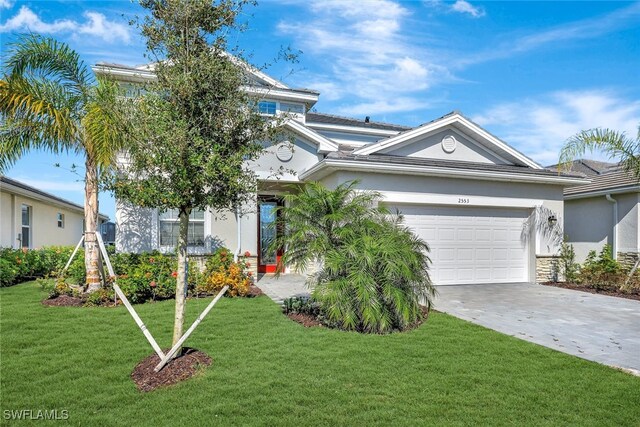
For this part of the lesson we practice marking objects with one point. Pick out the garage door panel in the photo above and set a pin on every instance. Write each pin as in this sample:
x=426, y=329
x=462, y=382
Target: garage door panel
x=471, y=245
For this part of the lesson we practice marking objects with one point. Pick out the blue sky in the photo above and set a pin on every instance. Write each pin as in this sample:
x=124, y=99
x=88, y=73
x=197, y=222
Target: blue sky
x=532, y=73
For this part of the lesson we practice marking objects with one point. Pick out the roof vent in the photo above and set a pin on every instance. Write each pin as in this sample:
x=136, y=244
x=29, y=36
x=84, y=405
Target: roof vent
x=366, y=119
x=449, y=144
x=284, y=152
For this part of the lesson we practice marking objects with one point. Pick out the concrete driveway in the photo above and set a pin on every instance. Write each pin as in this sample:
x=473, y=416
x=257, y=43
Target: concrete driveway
x=595, y=327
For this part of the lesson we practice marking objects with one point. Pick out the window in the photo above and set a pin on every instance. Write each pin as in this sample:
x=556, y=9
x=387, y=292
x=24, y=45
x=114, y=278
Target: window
x=60, y=220
x=25, y=236
x=292, y=108
x=170, y=228
x=267, y=107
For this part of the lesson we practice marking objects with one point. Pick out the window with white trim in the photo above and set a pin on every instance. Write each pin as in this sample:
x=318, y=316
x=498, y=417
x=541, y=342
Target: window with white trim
x=25, y=235
x=267, y=107
x=60, y=220
x=291, y=108
x=169, y=227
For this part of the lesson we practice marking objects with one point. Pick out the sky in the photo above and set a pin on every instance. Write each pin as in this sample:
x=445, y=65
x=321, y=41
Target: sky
x=531, y=73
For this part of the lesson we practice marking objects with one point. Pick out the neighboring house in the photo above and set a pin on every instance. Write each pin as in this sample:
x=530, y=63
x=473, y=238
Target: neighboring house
x=463, y=190
x=31, y=218
x=604, y=211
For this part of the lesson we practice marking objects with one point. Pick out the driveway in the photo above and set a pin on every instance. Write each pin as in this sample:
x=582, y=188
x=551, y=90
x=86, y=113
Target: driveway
x=594, y=327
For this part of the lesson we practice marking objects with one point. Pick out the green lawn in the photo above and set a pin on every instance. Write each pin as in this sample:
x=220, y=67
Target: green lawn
x=268, y=370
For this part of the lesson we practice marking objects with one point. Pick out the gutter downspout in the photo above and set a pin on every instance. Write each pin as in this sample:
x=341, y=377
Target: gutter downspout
x=239, y=228
x=614, y=239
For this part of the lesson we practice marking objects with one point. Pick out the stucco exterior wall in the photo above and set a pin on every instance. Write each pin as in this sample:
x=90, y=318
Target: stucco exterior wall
x=589, y=223
x=430, y=147
x=350, y=138
x=270, y=167
x=448, y=191
x=6, y=220
x=44, y=222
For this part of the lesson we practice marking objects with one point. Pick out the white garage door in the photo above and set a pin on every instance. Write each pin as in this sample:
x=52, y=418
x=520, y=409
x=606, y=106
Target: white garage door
x=471, y=245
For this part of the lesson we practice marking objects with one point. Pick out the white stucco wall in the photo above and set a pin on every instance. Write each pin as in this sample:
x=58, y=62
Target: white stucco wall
x=269, y=167
x=430, y=147
x=447, y=191
x=589, y=223
x=44, y=222
x=349, y=138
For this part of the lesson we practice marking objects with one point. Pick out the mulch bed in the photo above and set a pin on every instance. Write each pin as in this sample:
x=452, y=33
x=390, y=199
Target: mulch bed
x=64, y=301
x=305, y=320
x=309, y=321
x=183, y=367
x=612, y=293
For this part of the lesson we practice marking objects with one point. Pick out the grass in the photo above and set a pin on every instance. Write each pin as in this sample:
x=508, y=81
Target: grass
x=268, y=370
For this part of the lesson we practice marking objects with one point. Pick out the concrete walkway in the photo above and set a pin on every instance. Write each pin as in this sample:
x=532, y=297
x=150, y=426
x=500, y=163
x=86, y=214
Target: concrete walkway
x=283, y=287
x=594, y=327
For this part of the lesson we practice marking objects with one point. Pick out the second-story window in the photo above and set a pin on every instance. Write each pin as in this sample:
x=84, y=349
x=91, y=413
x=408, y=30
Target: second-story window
x=267, y=107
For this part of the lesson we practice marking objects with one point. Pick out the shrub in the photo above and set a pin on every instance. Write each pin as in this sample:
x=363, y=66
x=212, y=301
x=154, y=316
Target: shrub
x=18, y=265
x=221, y=271
x=601, y=271
x=302, y=305
x=374, y=271
x=569, y=268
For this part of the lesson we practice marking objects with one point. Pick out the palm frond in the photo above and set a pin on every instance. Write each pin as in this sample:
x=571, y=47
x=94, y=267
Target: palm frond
x=616, y=145
x=103, y=124
x=35, y=114
x=34, y=54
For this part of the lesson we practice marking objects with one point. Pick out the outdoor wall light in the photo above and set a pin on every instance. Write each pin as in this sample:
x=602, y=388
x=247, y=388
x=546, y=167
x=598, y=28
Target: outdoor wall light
x=552, y=220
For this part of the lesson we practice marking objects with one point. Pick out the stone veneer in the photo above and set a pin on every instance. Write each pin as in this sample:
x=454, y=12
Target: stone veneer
x=627, y=259
x=547, y=268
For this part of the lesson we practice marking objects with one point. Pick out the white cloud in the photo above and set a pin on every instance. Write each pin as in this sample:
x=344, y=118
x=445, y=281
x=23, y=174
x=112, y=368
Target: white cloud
x=463, y=6
x=539, y=127
x=96, y=25
x=369, y=60
x=382, y=106
x=555, y=36
x=6, y=4
x=99, y=26
x=25, y=19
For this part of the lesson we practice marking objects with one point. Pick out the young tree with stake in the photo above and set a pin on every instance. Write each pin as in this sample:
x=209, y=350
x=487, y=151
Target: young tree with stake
x=194, y=131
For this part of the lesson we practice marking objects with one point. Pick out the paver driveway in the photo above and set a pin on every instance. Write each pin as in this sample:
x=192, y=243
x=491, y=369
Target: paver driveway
x=595, y=327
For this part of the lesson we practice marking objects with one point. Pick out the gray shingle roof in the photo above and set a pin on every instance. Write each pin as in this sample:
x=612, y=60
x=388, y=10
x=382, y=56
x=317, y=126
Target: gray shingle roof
x=614, y=178
x=53, y=197
x=586, y=166
x=414, y=161
x=313, y=117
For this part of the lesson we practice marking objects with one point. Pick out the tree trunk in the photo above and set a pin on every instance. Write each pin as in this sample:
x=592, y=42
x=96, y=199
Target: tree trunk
x=91, y=250
x=181, y=285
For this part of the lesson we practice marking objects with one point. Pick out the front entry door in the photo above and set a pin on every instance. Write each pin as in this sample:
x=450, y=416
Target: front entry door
x=267, y=231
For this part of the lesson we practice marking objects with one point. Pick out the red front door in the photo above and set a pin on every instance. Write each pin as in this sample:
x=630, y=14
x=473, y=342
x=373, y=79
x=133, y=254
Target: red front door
x=268, y=230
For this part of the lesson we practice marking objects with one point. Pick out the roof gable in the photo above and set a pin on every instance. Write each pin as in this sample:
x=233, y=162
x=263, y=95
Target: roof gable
x=324, y=144
x=446, y=144
x=487, y=144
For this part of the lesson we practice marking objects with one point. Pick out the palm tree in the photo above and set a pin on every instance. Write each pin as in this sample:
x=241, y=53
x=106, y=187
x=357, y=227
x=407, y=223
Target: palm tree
x=617, y=145
x=320, y=218
x=49, y=99
x=372, y=273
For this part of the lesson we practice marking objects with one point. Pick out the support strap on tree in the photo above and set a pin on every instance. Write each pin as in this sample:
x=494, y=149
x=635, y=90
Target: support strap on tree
x=164, y=359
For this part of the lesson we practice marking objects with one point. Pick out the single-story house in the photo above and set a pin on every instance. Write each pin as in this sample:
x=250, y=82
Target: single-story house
x=604, y=211
x=462, y=189
x=31, y=218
